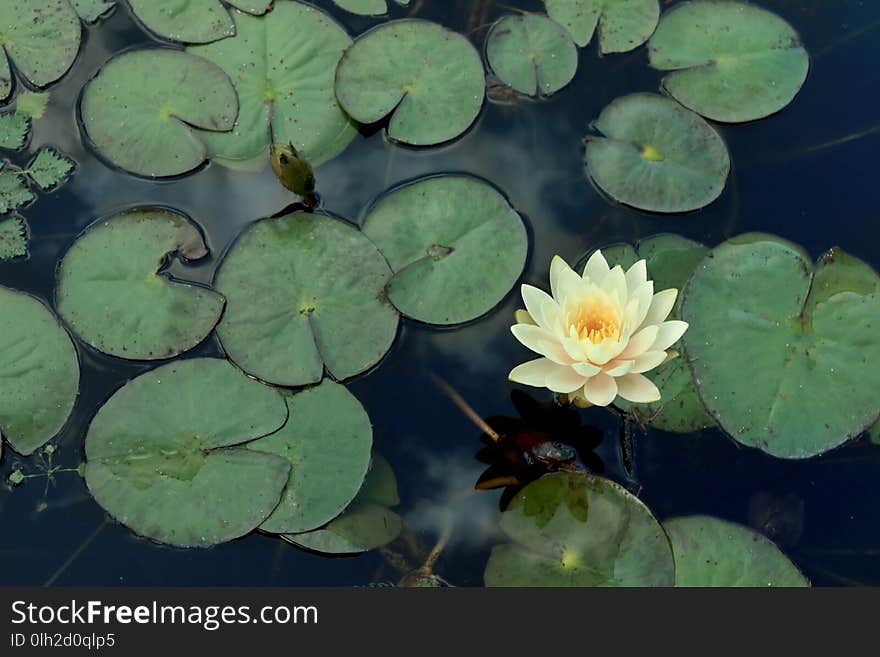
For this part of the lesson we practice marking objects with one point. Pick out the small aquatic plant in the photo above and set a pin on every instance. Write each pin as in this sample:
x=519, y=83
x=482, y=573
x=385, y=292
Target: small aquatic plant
x=598, y=333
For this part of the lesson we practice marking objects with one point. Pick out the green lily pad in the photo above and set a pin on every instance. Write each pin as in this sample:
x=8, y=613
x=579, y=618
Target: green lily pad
x=874, y=433
x=39, y=372
x=15, y=128
x=114, y=293
x=429, y=79
x=455, y=244
x=670, y=259
x=367, y=524
x=327, y=440
x=623, y=24
x=532, y=54
x=363, y=7
x=32, y=103
x=731, y=61
x=91, y=10
x=713, y=552
x=41, y=37
x=193, y=21
x=785, y=354
x=13, y=237
x=49, y=169
x=305, y=291
x=140, y=110
x=164, y=455
x=573, y=529
x=14, y=191
x=656, y=155
x=283, y=66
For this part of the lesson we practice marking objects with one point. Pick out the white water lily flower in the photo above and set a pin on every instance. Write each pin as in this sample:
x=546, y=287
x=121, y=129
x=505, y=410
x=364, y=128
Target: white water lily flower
x=597, y=334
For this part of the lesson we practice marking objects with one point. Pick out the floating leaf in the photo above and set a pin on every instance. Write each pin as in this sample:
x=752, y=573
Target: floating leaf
x=874, y=433
x=305, y=291
x=671, y=259
x=13, y=237
x=623, y=24
x=31, y=103
x=91, y=10
x=139, y=109
x=193, y=21
x=327, y=441
x=655, y=155
x=283, y=66
x=785, y=354
x=14, y=191
x=455, y=244
x=367, y=524
x=731, y=61
x=41, y=37
x=163, y=454
x=573, y=529
x=713, y=552
x=532, y=54
x=114, y=292
x=15, y=128
x=39, y=372
x=429, y=79
x=49, y=168
x=363, y=7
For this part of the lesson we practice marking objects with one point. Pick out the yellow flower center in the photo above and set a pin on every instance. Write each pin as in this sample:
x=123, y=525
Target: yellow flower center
x=595, y=319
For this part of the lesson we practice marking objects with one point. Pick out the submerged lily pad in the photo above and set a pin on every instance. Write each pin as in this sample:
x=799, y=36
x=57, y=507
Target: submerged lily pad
x=41, y=37
x=304, y=292
x=140, y=110
x=785, y=353
x=656, y=155
x=193, y=21
x=13, y=237
x=670, y=259
x=532, y=54
x=367, y=524
x=39, y=372
x=327, y=440
x=114, y=292
x=455, y=244
x=713, y=552
x=163, y=454
x=731, y=61
x=623, y=24
x=283, y=67
x=429, y=79
x=573, y=529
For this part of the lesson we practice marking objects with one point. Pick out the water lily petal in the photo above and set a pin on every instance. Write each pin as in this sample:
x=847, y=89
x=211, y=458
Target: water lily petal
x=600, y=390
x=640, y=342
x=568, y=284
x=636, y=276
x=523, y=317
x=638, y=389
x=541, y=341
x=533, y=373
x=669, y=334
x=596, y=268
x=644, y=294
x=573, y=348
x=618, y=367
x=648, y=361
x=557, y=266
x=565, y=380
x=614, y=285
x=586, y=369
x=661, y=306
x=604, y=351
x=536, y=304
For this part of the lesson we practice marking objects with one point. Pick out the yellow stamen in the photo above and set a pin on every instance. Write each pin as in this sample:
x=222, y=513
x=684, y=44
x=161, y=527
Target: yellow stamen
x=595, y=320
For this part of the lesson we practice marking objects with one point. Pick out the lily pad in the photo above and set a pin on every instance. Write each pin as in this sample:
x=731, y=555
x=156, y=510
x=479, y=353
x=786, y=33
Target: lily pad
x=32, y=103
x=193, y=21
x=367, y=524
x=140, y=110
x=39, y=372
x=283, y=67
x=13, y=237
x=656, y=155
x=15, y=128
x=874, y=433
x=713, y=552
x=163, y=454
x=623, y=24
x=573, y=529
x=785, y=353
x=532, y=54
x=49, y=169
x=455, y=244
x=327, y=441
x=14, y=190
x=671, y=260
x=731, y=61
x=41, y=37
x=114, y=293
x=304, y=292
x=430, y=80
x=91, y=10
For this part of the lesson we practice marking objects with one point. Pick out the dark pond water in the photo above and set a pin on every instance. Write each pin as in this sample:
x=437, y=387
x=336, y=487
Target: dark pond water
x=808, y=174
